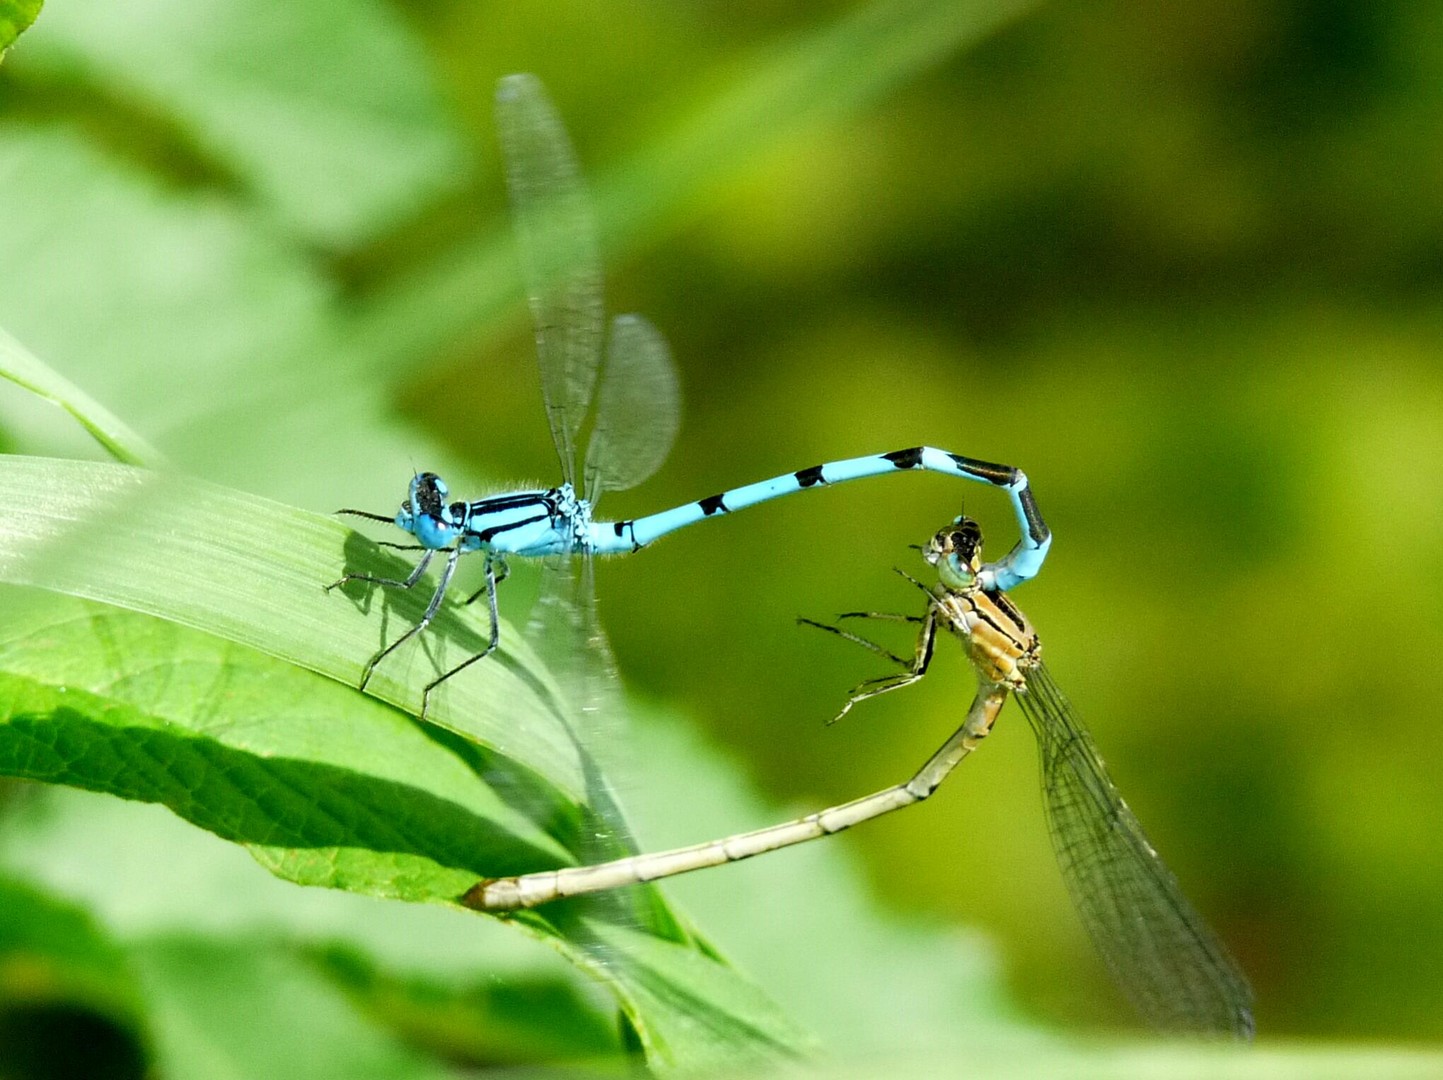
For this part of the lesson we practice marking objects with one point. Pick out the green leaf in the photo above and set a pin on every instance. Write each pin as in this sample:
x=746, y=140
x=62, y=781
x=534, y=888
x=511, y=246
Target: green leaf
x=252, y=571
x=150, y=877
x=143, y=871
x=47, y=946
x=441, y=977
x=22, y=368
x=326, y=787
x=15, y=17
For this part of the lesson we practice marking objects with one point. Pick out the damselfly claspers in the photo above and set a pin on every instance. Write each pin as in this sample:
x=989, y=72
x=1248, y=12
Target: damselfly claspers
x=1157, y=947
x=636, y=412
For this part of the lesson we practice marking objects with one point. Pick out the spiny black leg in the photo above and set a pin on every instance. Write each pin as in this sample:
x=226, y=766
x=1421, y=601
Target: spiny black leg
x=492, y=580
x=497, y=571
x=908, y=577
x=426, y=617
x=857, y=639
x=390, y=583
x=916, y=667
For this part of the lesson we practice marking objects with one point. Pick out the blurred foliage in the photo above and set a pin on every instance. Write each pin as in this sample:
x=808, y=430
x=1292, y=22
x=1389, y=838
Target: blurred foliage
x=1182, y=262
x=15, y=16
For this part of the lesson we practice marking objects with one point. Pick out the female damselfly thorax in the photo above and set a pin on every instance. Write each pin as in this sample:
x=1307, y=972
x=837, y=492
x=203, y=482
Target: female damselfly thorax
x=999, y=639
x=1159, y=950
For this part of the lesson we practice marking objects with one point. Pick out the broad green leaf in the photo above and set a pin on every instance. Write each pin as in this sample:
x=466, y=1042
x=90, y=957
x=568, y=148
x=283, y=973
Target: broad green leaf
x=144, y=872
x=15, y=16
x=326, y=788
x=253, y=572
x=25, y=370
x=325, y=110
x=461, y=987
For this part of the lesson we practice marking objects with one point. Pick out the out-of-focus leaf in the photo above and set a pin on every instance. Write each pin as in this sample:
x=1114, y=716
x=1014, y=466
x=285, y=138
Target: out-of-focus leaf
x=326, y=109
x=784, y=90
x=214, y=336
x=22, y=368
x=63, y=978
x=483, y=1020
x=255, y=1009
x=15, y=17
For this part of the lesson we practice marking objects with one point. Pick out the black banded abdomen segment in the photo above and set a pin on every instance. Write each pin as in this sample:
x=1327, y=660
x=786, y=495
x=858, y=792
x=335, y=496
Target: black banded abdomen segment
x=1036, y=528
x=911, y=458
x=810, y=477
x=1001, y=475
x=1020, y=565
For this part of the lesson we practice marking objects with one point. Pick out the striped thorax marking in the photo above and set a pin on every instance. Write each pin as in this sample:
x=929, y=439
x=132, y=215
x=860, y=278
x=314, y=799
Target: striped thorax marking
x=998, y=637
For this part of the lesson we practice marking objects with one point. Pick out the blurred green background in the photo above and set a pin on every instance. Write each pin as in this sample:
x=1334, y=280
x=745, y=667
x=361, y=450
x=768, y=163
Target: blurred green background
x=1181, y=262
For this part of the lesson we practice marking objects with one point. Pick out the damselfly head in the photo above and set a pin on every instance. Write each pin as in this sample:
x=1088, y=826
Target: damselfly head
x=956, y=552
x=428, y=494
x=425, y=515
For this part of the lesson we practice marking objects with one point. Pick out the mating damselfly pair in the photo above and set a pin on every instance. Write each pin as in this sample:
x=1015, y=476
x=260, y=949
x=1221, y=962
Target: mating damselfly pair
x=1158, y=947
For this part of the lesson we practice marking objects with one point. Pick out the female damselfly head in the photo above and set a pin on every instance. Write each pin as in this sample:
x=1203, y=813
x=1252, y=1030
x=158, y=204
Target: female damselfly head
x=425, y=515
x=956, y=552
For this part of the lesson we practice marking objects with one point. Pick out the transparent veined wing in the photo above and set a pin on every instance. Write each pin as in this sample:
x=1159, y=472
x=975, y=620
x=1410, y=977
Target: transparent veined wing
x=559, y=258
x=1158, y=948
x=558, y=250
x=638, y=409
